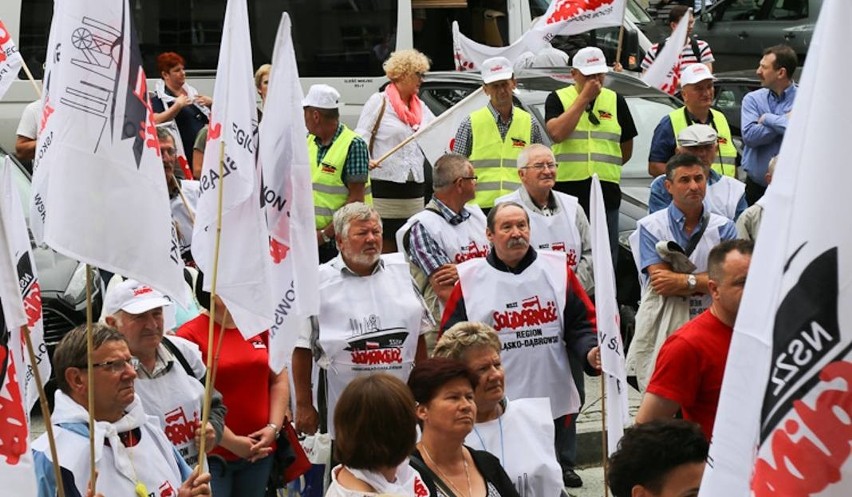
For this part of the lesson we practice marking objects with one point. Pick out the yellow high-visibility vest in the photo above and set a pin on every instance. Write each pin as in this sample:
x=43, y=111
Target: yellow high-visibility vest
x=495, y=159
x=726, y=158
x=330, y=192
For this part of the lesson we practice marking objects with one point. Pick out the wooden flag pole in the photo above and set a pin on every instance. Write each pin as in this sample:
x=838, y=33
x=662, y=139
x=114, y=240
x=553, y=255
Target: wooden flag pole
x=31, y=78
x=183, y=199
x=604, y=443
x=620, y=40
x=208, y=381
x=45, y=412
x=93, y=474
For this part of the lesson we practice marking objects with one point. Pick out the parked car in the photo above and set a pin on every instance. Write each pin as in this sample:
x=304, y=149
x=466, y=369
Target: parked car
x=62, y=280
x=441, y=90
x=739, y=30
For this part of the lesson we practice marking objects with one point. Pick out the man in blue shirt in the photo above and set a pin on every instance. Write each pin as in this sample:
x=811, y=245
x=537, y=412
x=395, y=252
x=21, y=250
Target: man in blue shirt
x=765, y=113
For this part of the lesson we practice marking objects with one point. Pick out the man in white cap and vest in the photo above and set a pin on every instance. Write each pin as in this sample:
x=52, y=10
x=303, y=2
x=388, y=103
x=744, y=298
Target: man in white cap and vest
x=449, y=231
x=557, y=221
x=592, y=131
x=371, y=319
x=170, y=375
x=339, y=163
x=493, y=136
x=725, y=195
x=696, y=82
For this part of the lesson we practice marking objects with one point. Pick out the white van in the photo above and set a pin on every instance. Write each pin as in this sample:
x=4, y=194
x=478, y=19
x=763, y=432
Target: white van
x=338, y=42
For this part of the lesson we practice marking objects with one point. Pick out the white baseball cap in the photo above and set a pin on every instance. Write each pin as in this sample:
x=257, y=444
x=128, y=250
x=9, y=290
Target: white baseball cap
x=694, y=73
x=321, y=97
x=133, y=297
x=496, y=69
x=590, y=60
x=697, y=135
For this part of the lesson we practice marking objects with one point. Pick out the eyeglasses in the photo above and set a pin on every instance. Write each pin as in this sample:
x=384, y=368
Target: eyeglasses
x=539, y=166
x=116, y=366
x=469, y=178
x=420, y=75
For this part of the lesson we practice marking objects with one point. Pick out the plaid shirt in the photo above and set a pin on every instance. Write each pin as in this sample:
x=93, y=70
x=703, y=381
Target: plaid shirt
x=357, y=166
x=424, y=251
x=463, y=143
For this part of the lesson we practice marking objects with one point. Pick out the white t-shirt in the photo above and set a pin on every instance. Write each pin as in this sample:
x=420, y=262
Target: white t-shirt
x=28, y=126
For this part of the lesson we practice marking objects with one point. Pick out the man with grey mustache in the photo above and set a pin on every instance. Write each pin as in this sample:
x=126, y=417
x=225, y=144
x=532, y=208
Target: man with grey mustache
x=538, y=308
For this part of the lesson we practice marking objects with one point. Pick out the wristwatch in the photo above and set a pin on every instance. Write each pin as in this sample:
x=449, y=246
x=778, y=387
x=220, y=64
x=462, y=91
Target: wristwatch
x=325, y=238
x=691, y=281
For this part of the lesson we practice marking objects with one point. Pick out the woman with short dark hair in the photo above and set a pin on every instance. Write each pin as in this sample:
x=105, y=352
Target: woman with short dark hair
x=446, y=411
x=375, y=429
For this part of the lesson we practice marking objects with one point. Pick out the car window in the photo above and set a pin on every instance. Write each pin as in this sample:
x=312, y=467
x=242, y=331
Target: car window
x=738, y=10
x=789, y=10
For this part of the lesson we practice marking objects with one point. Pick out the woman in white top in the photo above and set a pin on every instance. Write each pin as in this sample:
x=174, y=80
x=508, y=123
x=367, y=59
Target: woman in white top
x=376, y=428
x=388, y=118
x=519, y=432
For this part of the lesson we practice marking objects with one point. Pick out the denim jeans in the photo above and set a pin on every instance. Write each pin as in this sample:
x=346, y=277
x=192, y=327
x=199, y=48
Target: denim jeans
x=239, y=478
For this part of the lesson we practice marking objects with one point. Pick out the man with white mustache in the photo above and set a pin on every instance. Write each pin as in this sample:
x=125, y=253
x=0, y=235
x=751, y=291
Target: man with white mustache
x=540, y=312
x=371, y=318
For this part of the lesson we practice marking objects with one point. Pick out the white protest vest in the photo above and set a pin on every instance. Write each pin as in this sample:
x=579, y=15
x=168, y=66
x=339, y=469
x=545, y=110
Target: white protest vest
x=368, y=324
x=460, y=242
x=526, y=311
x=523, y=440
x=175, y=399
x=558, y=233
x=659, y=227
x=723, y=196
x=180, y=213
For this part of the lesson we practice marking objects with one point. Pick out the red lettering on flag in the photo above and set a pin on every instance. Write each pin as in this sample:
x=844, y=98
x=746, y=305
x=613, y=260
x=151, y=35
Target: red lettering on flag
x=147, y=129
x=13, y=421
x=32, y=305
x=4, y=37
x=277, y=250
x=46, y=111
x=214, y=131
x=568, y=9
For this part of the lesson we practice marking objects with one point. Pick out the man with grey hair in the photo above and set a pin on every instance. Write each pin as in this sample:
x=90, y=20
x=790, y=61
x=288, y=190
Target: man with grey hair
x=120, y=424
x=371, y=318
x=447, y=232
x=170, y=374
x=557, y=220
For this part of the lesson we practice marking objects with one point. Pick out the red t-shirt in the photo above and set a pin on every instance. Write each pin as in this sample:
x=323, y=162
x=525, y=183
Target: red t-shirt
x=242, y=376
x=690, y=367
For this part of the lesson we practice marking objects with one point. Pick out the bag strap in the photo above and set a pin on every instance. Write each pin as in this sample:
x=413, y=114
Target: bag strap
x=696, y=237
x=180, y=358
x=376, y=126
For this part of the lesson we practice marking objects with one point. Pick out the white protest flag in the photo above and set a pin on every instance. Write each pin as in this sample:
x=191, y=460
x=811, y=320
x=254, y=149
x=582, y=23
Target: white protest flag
x=783, y=423
x=288, y=196
x=469, y=55
x=608, y=321
x=106, y=197
x=10, y=59
x=17, y=471
x=16, y=251
x=436, y=138
x=664, y=72
x=243, y=280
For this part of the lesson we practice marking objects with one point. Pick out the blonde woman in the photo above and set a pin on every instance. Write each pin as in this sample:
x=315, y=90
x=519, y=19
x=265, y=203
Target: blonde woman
x=388, y=118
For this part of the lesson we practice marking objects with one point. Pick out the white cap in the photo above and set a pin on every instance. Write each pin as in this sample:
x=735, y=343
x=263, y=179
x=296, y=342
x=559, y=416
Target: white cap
x=496, y=69
x=133, y=297
x=321, y=97
x=694, y=73
x=697, y=135
x=590, y=60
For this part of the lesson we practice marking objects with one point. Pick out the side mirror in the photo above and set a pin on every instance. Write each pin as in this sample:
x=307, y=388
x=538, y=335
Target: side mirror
x=631, y=57
x=707, y=18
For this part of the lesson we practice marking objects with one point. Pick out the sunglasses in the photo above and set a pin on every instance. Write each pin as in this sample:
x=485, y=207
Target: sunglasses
x=592, y=117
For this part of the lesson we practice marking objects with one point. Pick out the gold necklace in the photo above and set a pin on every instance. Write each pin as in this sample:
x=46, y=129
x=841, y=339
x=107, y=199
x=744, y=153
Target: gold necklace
x=447, y=478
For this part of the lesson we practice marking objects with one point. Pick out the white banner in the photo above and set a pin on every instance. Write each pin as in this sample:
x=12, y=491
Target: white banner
x=107, y=198
x=288, y=198
x=609, y=323
x=783, y=423
x=243, y=280
x=664, y=72
x=16, y=462
x=436, y=138
x=10, y=59
x=563, y=17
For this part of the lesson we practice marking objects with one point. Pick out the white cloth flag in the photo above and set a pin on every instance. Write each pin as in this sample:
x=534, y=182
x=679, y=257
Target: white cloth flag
x=608, y=321
x=10, y=59
x=563, y=17
x=17, y=471
x=783, y=423
x=436, y=138
x=243, y=280
x=664, y=72
x=16, y=251
x=288, y=198
x=107, y=199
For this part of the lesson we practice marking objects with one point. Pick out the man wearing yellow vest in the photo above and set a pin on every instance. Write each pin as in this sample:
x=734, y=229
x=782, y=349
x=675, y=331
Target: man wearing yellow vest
x=696, y=82
x=592, y=131
x=339, y=163
x=493, y=136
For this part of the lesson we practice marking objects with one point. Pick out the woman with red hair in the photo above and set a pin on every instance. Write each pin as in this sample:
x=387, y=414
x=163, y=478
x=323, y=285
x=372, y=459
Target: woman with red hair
x=178, y=101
